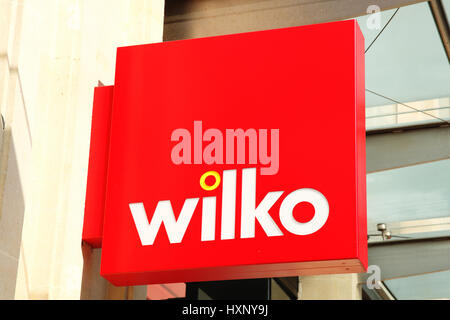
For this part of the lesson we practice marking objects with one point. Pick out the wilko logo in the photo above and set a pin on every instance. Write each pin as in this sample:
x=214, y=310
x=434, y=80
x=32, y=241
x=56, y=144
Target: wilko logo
x=235, y=139
x=250, y=212
x=217, y=162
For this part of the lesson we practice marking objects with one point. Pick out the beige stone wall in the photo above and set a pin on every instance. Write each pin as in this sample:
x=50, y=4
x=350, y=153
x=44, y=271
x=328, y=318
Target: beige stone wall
x=330, y=287
x=52, y=55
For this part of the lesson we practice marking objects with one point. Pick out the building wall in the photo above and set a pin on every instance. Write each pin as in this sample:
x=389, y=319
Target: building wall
x=187, y=19
x=330, y=287
x=52, y=55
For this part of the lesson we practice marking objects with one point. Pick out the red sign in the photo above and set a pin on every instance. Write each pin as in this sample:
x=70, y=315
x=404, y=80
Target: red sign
x=240, y=156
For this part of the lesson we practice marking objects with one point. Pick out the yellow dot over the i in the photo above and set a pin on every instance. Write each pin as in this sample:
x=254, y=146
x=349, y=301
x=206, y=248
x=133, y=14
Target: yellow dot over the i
x=203, y=184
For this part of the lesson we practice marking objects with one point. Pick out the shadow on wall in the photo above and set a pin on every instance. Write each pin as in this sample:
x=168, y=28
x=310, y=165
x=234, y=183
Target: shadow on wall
x=172, y=10
x=93, y=286
x=11, y=221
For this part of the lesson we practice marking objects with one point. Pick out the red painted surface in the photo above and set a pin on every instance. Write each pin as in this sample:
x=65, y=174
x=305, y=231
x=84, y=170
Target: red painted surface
x=97, y=170
x=361, y=150
x=308, y=82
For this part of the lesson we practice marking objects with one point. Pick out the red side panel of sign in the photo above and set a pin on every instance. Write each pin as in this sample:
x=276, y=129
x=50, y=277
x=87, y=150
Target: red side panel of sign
x=361, y=147
x=307, y=82
x=97, y=170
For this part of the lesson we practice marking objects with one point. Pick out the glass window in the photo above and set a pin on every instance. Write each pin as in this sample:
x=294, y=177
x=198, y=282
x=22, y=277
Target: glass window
x=406, y=66
x=426, y=286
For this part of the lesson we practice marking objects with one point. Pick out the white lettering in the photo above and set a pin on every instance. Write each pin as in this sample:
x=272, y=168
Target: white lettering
x=250, y=212
x=261, y=213
x=319, y=203
x=163, y=214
